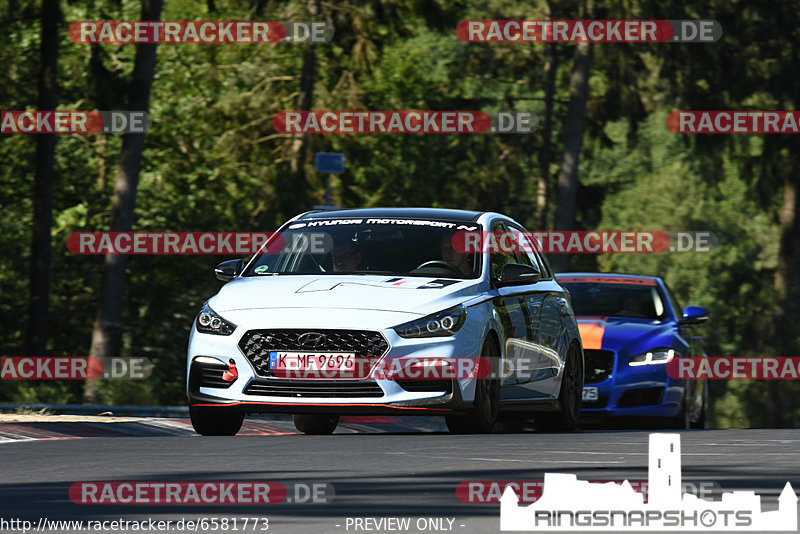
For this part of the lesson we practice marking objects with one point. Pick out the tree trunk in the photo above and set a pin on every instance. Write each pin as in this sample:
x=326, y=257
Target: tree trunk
x=573, y=140
x=39, y=298
x=550, y=68
x=295, y=185
x=108, y=320
x=782, y=394
x=786, y=282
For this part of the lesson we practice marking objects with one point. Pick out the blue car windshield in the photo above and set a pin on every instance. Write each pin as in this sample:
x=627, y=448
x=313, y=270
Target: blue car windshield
x=379, y=246
x=616, y=300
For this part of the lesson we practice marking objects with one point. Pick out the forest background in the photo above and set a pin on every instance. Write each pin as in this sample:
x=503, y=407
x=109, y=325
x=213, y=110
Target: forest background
x=602, y=159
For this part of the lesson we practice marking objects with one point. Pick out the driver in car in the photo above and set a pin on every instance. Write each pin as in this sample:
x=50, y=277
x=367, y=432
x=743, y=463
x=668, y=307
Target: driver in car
x=452, y=256
x=345, y=256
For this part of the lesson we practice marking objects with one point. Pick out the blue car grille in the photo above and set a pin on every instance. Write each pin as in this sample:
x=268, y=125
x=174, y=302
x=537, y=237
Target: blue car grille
x=640, y=397
x=599, y=365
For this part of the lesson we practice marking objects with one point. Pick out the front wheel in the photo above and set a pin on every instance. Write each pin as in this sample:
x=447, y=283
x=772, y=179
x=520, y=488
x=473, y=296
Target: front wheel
x=483, y=416
x=210, y=421
x=314, y=424
x=570, y=396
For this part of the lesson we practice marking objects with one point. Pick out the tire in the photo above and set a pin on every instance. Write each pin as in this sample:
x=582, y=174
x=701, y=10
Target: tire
x=570, y=397
x=483, y=416
x=316, y=424
x=208, y=421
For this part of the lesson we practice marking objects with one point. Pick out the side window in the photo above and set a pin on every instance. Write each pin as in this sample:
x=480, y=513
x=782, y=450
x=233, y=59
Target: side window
x=675, y=304
x=498, y=259
x=531, y=258
x=547, y=272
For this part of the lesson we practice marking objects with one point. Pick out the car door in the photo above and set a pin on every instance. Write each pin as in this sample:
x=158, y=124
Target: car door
x=551, y=337
x=526, y=365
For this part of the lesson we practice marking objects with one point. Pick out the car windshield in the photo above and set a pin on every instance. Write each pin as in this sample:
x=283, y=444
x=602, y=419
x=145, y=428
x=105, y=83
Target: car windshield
x=381, y=246
x=615, y=299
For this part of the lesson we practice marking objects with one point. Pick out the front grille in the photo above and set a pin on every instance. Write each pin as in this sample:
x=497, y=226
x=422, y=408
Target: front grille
x=313, y=388
x=599, y=365
x=208, y=375
x=640, y=397
x=426, y=385
x=369, y=347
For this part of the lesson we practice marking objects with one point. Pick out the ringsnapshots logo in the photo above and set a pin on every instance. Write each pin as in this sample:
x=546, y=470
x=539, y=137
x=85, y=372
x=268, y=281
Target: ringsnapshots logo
x=569, y=504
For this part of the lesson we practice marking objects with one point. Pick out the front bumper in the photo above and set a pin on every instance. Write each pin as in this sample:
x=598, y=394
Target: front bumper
x=644, y=391
x=253, y=391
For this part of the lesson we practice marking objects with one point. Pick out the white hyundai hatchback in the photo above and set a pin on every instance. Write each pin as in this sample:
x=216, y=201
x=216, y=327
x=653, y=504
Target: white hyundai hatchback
x=376, y=311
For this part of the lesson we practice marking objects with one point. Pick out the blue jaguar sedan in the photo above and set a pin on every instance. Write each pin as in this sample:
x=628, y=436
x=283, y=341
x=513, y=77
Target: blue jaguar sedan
x=631, y=327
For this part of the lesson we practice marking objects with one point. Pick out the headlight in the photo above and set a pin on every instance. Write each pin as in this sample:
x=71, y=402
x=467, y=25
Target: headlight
x=208, y=322
x=443, y=323
x=653, y=357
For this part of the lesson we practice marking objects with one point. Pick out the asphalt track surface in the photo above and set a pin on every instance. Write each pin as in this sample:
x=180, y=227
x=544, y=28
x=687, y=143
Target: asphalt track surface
x=379, y=467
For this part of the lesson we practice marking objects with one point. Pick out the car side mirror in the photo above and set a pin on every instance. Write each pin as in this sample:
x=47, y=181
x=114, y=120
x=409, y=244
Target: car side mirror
x=514, y=274
x=228, y=270
x=693, y=315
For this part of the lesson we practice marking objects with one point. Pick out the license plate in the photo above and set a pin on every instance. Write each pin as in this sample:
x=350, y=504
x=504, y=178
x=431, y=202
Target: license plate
x=309, y=364
x=590, y=393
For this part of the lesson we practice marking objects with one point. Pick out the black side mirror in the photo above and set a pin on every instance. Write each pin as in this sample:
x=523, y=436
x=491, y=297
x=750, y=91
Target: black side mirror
x=228, y=270
x=515, y=274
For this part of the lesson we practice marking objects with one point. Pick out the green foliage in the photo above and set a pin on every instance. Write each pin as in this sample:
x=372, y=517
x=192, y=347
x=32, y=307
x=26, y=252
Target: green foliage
x=213, y=160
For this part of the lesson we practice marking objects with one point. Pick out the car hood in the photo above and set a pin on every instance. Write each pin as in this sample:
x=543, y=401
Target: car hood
x=416, y=295
x=624, y=334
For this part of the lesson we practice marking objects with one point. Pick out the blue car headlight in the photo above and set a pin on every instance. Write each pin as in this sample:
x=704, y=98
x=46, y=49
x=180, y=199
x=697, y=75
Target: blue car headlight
x=653, y=357
x=209, y=322
x=440, y=324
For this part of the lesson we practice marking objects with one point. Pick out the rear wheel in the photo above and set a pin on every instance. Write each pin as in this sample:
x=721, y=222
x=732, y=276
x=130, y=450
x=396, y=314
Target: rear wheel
x=570, y=397
x=210, y=421
x=315, y=424
x=483, y=416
